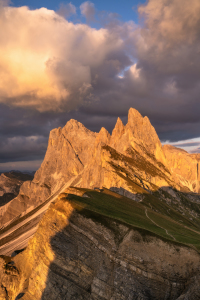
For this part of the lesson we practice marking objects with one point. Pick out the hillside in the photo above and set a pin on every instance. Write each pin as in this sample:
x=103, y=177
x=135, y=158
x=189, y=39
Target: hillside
x=99, y=245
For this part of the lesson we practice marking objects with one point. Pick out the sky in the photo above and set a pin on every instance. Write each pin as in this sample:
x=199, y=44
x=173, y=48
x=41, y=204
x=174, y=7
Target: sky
x=126, y=9
x=92, y=61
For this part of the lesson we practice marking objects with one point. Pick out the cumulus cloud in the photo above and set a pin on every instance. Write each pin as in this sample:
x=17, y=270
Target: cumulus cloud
x=47, y=62
x=4, y=3
x=88, y=10
x=170, y=40
x=172, y=21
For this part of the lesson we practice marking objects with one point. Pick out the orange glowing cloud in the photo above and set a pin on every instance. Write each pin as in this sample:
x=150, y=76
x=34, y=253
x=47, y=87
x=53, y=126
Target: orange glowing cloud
x=44, y=59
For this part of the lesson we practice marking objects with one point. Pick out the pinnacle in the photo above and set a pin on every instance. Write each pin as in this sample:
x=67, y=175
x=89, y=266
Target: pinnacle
x=73, y=125
x=119, y=123
x=134, y=112
x=118, y=129
x=134, y=117
x=103, y=136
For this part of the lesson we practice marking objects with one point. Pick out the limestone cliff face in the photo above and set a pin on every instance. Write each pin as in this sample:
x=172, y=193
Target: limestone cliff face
x=130, y=158
x=76, y=254
x=67, y=153
x=69, y=150
x=184, y=166
x=138, y=134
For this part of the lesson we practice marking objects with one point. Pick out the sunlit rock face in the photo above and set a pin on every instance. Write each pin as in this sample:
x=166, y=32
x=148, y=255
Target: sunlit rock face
x=76, y=252
x=184, y=166
x=131, y=159
x=67, y=152
x=132, y=151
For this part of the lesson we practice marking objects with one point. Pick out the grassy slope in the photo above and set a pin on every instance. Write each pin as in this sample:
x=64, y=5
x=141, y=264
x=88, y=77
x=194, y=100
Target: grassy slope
x=140, y=215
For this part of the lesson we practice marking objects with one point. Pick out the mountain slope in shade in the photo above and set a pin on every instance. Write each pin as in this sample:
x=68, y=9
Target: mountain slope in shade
x=131, y=161
x=98, y=245
x=10, y=183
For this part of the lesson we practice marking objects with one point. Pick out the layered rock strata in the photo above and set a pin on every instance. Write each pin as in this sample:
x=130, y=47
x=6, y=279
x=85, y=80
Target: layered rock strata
x=77, y=254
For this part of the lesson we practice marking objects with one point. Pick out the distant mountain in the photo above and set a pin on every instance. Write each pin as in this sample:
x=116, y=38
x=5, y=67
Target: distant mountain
x=10, y=183
x=32, y=173
x=124, y=219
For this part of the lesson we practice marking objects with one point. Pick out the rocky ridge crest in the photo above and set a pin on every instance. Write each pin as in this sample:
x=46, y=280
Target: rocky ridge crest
x=122, y=219
x=130, y=161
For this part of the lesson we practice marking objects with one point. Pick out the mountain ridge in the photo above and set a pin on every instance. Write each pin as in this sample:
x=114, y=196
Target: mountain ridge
x=106, y=217
x=134, y=203
x=129, y=158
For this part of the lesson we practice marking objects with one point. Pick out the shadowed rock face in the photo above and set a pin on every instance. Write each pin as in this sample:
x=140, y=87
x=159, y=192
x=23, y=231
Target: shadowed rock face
x=79, y=254
x=10, y=183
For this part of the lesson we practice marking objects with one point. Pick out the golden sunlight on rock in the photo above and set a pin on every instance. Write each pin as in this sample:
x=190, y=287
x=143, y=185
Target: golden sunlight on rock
x=101, y=213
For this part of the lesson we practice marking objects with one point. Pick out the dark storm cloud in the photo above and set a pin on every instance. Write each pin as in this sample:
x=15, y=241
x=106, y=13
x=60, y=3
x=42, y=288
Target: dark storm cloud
x=24, y=133
x=74, y=71
x=22, y=148
x=164, y=82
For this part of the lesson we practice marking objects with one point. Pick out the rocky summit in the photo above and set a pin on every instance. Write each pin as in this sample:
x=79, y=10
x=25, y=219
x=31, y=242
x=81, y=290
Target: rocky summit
x=106, y=217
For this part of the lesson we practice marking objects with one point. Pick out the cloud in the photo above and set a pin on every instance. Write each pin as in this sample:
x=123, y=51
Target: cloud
x=4, y=3
x=20, y=166
x=88, y=10
x=35, y=146
x=172, y=21
x=52, y=70
x=66, y=10
x=48, y=63
x=169, y=40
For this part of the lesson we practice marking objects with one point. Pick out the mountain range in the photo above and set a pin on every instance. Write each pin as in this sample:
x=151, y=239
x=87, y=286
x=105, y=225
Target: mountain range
x=105, y=217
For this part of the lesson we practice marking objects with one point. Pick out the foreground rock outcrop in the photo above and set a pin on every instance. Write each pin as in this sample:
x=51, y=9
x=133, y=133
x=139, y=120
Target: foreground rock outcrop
x=79, y=254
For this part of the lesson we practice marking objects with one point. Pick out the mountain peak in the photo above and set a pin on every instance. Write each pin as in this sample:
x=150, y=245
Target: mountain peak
x=117, y=132
x=73, y=124
x=141, y=128
x=131, y=159
x=134, y=116
x=103, y=136
x=119, y=128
